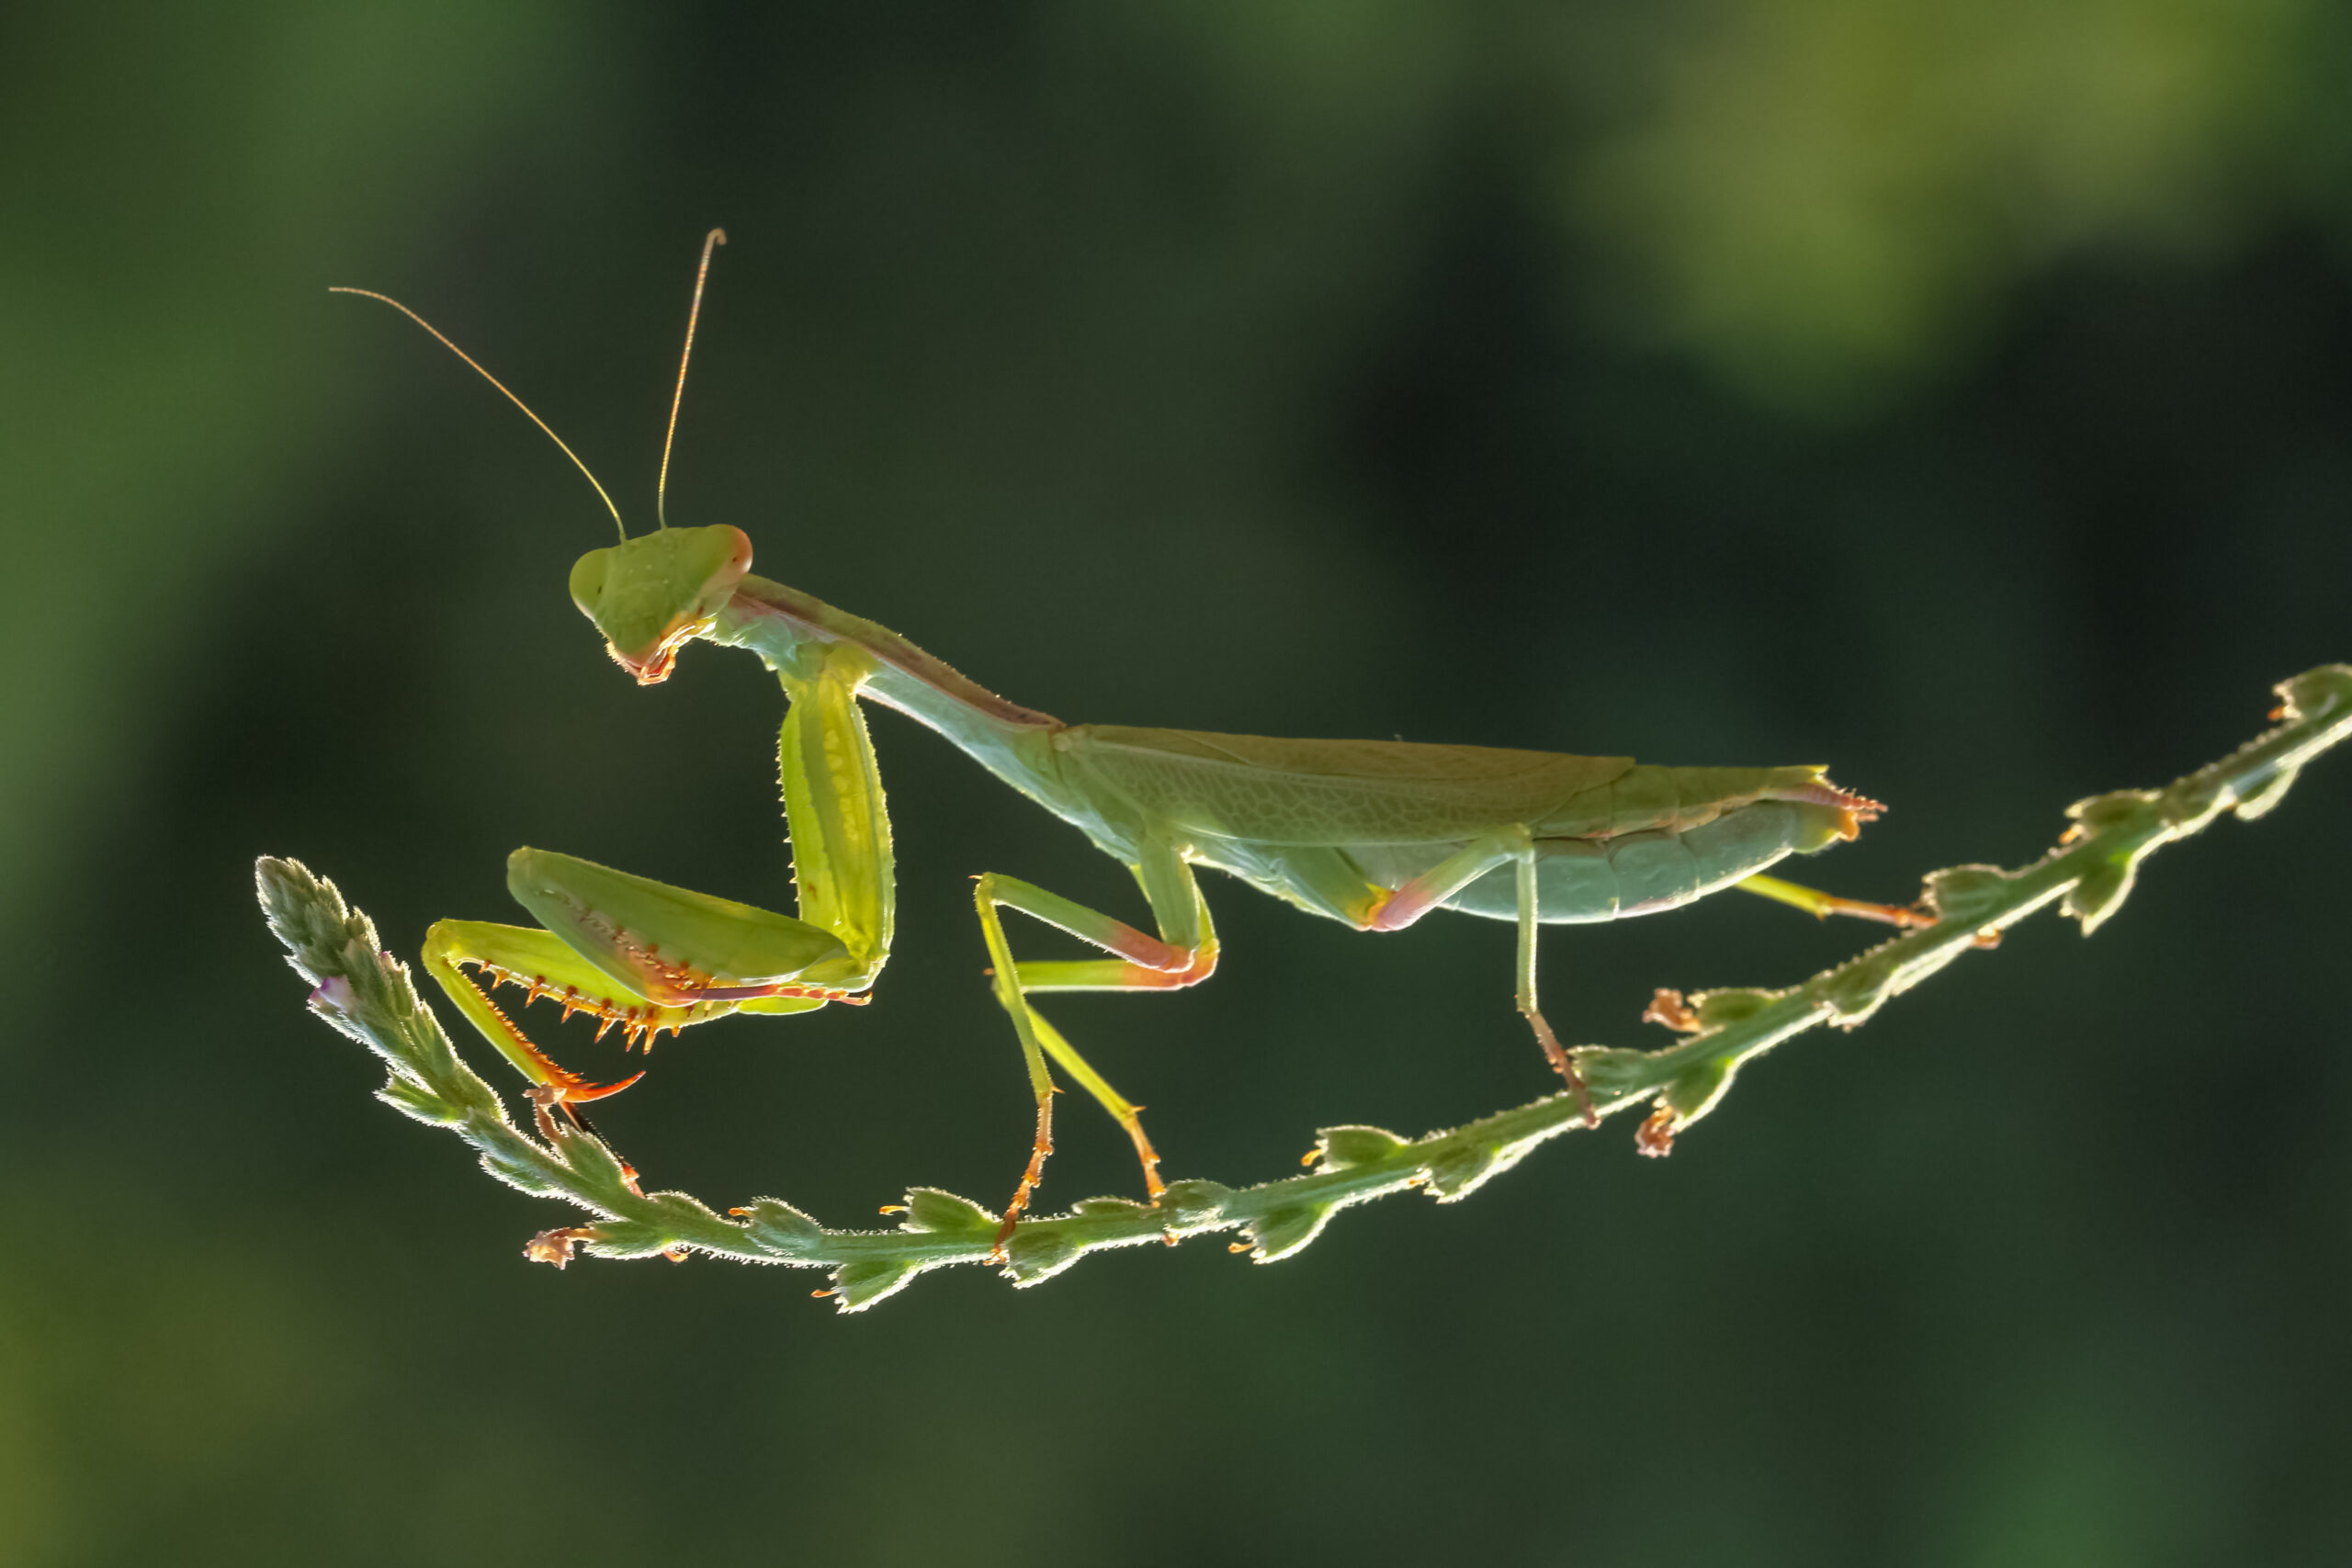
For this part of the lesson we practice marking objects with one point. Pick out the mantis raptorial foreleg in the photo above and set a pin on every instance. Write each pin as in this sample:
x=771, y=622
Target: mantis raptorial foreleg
x=834, y=807
x=636, y=954
x=645, y=956
x=1185, y=954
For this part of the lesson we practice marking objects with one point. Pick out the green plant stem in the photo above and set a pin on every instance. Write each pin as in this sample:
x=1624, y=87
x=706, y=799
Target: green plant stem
x=368, y=994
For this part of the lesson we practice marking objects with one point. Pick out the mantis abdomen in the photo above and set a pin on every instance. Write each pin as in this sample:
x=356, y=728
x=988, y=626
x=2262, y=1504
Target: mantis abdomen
x=1579, y=881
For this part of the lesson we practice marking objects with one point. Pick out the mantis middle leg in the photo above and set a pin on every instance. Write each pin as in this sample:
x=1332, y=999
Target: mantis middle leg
x=1516, y=846
x=1183, y=953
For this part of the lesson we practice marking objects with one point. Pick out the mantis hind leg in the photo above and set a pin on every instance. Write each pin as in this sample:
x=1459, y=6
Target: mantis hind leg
x=1821, y=905
x=1183, y=954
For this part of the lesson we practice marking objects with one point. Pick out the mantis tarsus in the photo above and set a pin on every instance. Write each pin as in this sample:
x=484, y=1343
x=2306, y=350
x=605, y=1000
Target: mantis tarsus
x=1371, y=832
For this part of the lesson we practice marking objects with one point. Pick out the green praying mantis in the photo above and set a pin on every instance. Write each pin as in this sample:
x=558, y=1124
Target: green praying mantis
x=1374, y=833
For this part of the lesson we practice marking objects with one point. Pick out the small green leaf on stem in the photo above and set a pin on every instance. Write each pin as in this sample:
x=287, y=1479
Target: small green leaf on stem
x=857, y=1286
x=1699, y=1088
x=1285, y=1231
x=1456, y=1173
x=2266, y=795
x=520, y=1171
x=1723, y=1007
x=1194, y=1203
x=1345, y=1149
x=933, y=1211
x=2122, y=809
x=627, y=1239
x=1612, y=1072
x=1038, y=1251
x=412, y=1099
x=1970, y=892
x=779, y=1227
x=588, y=1158
x=2101, y=892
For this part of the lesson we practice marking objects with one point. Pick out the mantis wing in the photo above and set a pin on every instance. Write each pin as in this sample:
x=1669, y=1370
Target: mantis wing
x=1269, y=791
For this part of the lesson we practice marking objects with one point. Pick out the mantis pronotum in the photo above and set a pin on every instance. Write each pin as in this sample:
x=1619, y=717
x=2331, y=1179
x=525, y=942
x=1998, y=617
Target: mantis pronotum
x=1374, y=833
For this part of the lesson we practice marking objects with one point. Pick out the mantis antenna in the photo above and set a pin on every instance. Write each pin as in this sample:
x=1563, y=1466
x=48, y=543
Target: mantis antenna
x=535, y=419
x=710, y=243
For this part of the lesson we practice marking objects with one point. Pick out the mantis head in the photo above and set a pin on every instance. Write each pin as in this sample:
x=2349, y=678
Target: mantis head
x=652, y=595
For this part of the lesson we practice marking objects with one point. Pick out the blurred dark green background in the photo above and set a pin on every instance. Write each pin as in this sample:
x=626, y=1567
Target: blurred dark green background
x=1956, y=390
